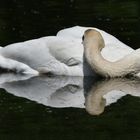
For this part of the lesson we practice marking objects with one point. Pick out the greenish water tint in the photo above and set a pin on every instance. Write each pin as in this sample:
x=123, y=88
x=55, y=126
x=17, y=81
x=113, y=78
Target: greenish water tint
x=22, y=118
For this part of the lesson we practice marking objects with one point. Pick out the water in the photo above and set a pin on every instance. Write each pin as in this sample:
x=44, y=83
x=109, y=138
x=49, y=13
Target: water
x=61, y=107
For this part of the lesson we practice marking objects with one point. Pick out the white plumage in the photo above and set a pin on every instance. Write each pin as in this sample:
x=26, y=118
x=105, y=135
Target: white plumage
x=61, y=54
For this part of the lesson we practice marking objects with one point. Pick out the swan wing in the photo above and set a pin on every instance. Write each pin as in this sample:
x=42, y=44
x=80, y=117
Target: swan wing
x=77, y=32
x=39, y=55
x=114, y=48
x=114, y=52
x=65, y=50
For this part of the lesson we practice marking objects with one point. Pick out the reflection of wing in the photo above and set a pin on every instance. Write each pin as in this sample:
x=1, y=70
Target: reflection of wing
x=68, y=96
x=113, y=96
x=49, y=91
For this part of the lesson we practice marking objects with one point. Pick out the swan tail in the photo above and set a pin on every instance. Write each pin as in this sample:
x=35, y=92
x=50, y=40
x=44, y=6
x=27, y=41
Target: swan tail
x=7, y=64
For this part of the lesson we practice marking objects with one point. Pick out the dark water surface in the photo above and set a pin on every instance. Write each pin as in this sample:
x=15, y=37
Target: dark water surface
x=39, y=107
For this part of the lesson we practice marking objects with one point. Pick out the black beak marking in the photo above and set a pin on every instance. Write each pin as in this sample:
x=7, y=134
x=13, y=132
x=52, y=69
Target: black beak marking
x=83, y=38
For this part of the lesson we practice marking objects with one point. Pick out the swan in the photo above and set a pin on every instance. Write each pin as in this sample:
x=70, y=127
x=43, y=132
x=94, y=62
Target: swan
x=94, y=43
x=60, y=55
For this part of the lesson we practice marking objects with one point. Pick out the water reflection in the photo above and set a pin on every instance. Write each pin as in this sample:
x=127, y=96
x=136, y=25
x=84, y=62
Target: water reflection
x=106, y=92
x=61, y=92
x=49, y=91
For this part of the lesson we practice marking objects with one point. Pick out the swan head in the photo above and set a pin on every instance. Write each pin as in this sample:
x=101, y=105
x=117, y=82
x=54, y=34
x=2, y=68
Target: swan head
x=93, y=38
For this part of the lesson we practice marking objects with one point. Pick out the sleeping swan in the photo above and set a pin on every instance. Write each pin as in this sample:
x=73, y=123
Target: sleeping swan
x=60, y=55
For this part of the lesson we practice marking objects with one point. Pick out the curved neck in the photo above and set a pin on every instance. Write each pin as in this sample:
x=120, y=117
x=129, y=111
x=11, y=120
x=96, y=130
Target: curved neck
x=122, y=67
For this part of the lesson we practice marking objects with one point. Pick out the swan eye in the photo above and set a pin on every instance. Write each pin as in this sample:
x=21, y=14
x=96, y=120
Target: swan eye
x=83, y=38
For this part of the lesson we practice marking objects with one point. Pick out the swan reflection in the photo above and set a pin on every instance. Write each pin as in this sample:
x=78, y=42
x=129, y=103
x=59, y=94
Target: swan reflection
x=50, y=91
x=65, y=91
x=106, y=92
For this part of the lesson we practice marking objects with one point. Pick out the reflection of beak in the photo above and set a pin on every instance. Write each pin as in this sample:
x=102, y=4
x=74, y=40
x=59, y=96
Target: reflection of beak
x=95, y=105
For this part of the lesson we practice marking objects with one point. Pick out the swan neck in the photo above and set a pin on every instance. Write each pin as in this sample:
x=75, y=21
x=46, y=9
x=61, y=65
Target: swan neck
x=106, y=68
x=97, y=62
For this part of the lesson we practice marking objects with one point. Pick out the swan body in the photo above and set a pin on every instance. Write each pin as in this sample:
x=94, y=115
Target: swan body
x=61, y=54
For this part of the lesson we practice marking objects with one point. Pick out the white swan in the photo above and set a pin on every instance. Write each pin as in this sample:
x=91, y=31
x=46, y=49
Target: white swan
x=61, y=54
x=94, y=43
